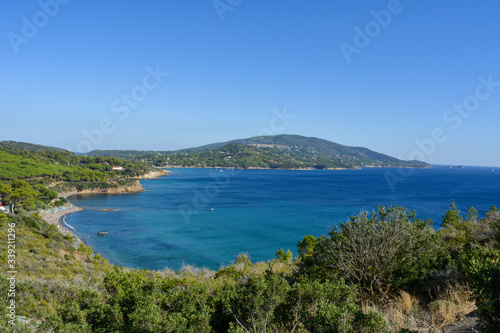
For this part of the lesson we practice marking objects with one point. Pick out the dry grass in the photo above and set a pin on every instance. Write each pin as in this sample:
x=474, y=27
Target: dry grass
x=406, y=303
x=399, y=312
x=405, y=311
x=453, y=304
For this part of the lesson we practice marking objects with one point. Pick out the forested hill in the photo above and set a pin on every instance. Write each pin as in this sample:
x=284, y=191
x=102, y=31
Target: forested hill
x=48, y=163
x=39, y=172
x=276, y=152
x=28, y=146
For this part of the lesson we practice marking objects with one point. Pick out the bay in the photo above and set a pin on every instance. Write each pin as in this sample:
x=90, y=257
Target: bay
x=205, y=217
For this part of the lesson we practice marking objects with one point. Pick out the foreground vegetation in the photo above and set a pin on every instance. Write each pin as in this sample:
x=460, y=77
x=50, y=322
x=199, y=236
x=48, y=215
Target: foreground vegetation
x=379, y=272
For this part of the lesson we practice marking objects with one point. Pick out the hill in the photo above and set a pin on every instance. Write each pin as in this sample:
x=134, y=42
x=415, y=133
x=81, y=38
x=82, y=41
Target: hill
x=28, y=146
x=275, y=152
x=40, y=173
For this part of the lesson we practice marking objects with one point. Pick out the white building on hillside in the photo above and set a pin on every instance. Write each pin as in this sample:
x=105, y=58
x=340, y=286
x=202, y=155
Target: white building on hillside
x=4, y=209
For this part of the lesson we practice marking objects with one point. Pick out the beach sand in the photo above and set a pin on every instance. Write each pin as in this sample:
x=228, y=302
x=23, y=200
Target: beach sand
x=55, y=216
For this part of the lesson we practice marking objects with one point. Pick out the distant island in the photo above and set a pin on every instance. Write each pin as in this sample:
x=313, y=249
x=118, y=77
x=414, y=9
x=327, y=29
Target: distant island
x=266, y=152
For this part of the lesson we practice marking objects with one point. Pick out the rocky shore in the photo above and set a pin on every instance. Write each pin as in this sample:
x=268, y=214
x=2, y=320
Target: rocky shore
x=155, y=174
x=55, y=216
x=136, y=187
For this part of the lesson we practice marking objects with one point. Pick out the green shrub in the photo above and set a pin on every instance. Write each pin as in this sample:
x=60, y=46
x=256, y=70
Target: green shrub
x=244, y=258
x=284, y=256
x=60, y=202
x=88, y=251
x=388, y=247
x=483, y=271
x=305, y=247
x=329, y=307
x=253, y=305
x=31, y=222
x=267, y=303
x=472, y=231
x=229, y=272
x=143, y=302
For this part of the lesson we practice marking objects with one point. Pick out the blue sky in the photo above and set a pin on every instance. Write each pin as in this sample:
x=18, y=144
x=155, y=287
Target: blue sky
x=411, y=79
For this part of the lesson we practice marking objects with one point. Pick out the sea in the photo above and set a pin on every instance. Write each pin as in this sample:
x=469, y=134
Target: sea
x=206, y=217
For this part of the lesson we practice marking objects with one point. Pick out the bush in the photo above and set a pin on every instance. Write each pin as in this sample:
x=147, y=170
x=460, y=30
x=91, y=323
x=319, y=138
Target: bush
x=386, y=248
x=147, y=303
x=87, y=251
x=284, y=256
x=305, y=247
x=60, y=202
x=32, y=221
x=483, y=271
x=267, y=303
x=472, y=231
x=329, y=307
x=253, y=305
x=229, y=272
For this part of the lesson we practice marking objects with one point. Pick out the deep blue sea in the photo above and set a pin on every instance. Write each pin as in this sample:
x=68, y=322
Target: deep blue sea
x=205, y=217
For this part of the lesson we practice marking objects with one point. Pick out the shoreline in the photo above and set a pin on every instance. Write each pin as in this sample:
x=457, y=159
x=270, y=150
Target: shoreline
x=296, y=169
x=134, y=188
x=55, y=216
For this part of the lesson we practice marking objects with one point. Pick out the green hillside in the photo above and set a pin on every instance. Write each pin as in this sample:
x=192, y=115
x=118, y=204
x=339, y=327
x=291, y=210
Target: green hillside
x=28, y=146
x=274, y=152
x=31, y=179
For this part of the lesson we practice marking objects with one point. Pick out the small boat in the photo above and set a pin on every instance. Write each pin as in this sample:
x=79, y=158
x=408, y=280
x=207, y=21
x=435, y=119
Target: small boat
x=460, y=167
x=102, y=233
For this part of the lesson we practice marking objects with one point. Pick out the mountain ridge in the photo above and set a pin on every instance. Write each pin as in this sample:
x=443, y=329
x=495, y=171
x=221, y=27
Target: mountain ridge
x=29, y=146
x=284, y=151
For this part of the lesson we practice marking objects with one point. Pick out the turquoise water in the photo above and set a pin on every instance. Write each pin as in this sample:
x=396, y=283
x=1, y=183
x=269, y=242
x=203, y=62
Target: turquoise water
x=205, y=217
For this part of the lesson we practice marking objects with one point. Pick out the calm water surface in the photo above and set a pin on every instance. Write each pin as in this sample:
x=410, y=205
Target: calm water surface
x=205, y=217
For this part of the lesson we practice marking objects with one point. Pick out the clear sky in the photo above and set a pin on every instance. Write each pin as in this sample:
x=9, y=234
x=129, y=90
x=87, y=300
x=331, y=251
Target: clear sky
x=411, y=79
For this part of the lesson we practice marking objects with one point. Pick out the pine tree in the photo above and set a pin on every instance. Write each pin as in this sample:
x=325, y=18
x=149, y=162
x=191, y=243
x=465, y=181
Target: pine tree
x=452, y=217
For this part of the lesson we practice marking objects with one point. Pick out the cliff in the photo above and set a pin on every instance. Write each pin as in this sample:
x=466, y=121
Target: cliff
x=155, y=174
x=136, y=187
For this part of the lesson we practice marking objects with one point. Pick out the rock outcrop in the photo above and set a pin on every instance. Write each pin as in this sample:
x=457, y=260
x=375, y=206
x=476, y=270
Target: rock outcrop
x=135, y=187
x=155, y=174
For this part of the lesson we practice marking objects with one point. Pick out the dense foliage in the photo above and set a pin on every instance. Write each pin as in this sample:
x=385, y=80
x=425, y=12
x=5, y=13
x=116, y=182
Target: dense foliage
x=483, y=270
x=387, y=247
x=30, y=179
x=48, y=165
x=62, y=286
x=67, y=290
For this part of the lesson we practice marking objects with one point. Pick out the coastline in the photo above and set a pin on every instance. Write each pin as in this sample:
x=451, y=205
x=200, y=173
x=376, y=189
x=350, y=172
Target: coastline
x=295, y=169
x=55, y=216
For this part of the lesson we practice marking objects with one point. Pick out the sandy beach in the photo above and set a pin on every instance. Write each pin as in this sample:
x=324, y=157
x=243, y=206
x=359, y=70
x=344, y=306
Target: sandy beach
x=56, y=216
